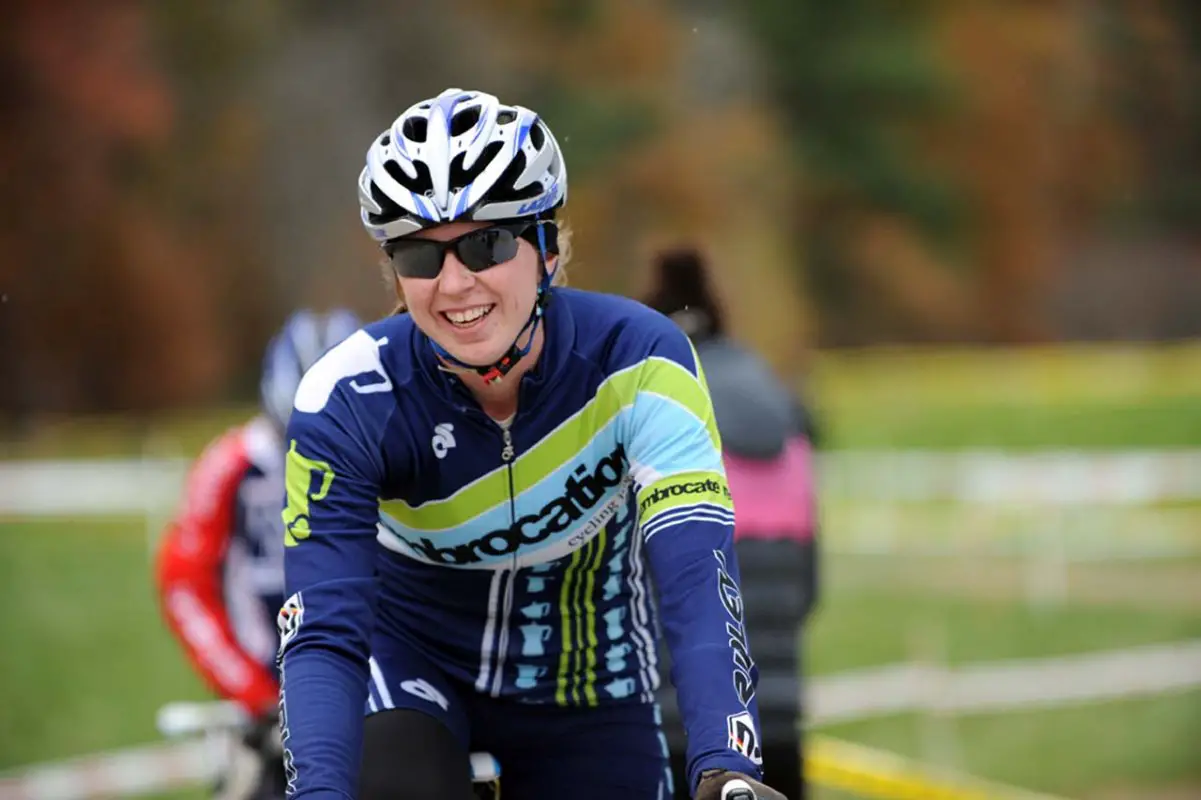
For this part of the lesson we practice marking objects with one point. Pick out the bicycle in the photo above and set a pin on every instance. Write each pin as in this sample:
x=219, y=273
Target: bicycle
x=239, y=771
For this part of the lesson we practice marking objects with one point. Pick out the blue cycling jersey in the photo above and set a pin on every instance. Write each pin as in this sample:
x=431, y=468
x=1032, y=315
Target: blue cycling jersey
x=518, y=558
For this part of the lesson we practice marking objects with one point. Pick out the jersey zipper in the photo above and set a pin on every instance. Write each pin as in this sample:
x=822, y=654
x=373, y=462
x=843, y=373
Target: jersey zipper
x=502, y=646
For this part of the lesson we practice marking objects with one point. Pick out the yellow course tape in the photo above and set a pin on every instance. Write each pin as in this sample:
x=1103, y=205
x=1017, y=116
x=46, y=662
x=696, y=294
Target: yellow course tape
x=868, y=772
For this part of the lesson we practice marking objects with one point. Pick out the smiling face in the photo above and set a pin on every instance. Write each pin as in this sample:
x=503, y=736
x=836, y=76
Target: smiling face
x=474, y=316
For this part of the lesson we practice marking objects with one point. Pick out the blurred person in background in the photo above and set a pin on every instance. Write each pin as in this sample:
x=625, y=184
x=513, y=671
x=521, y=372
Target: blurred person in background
x=220, y=565
x=766, y=438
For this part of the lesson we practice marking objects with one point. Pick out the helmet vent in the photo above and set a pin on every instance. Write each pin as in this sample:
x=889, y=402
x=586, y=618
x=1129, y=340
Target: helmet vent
x=419, y=185
x=415, y=128
x=464, y=121
x=460, y=177
x=537, y=136
x=509, y=177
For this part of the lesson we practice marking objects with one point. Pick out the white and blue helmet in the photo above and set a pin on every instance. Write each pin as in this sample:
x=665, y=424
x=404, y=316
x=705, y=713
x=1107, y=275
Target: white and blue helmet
x=304, y=338
x=462, y=155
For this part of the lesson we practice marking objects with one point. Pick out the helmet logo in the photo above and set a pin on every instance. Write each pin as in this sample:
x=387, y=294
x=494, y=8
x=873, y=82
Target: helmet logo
x=540, y=204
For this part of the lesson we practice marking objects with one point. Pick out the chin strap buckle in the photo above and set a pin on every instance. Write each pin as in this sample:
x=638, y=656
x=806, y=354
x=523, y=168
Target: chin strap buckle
x=499, y=370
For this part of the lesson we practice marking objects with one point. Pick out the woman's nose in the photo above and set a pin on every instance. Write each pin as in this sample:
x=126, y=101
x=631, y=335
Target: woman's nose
x=454, y=278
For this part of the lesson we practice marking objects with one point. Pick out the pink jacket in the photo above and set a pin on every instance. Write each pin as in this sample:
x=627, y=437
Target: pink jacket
x=775, y=499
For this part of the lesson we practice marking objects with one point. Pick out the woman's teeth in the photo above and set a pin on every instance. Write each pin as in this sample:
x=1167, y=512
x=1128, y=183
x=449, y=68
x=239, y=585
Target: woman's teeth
x=468, y=316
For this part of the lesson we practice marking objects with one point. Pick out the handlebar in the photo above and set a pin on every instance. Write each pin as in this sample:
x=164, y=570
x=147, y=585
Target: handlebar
x=179, y=719
x=737, y=790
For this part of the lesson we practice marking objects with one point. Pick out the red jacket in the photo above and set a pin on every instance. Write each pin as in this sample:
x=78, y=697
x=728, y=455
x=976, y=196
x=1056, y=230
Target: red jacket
x=219, y=569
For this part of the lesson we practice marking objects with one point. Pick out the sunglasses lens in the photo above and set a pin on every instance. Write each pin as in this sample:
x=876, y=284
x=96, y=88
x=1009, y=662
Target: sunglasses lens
x=416, y=258
x=478, y=250
x=486, y=248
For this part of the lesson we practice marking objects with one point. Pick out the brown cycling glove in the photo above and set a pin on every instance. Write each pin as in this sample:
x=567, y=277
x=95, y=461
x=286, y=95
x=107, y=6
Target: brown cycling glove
x=724, y=785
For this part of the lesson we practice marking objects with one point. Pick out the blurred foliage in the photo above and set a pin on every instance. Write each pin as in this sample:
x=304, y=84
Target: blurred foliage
x=854, y=80
x=177, y=176
x=1156, y=91
x=122, y=230
x=953, y=153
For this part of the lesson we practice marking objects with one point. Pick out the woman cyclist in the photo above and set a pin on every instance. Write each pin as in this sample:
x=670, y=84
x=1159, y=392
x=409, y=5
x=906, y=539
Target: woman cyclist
x=220, y=565
x=483, y=493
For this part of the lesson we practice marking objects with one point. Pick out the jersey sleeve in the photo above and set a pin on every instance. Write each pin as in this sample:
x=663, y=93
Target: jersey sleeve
x=333, y=472
x=189, y=573
x=687, y=519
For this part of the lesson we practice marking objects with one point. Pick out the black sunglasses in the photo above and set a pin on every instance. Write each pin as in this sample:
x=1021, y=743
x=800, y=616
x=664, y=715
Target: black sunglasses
x=479, y=250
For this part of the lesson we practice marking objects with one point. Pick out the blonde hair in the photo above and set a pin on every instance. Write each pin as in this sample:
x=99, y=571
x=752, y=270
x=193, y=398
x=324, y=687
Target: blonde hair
x=558, y=279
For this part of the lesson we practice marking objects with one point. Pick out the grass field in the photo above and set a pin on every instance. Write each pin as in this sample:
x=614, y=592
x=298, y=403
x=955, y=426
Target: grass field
x=91, y=663
x=1084, y=396
x=87, y=661
x=1078, y=751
